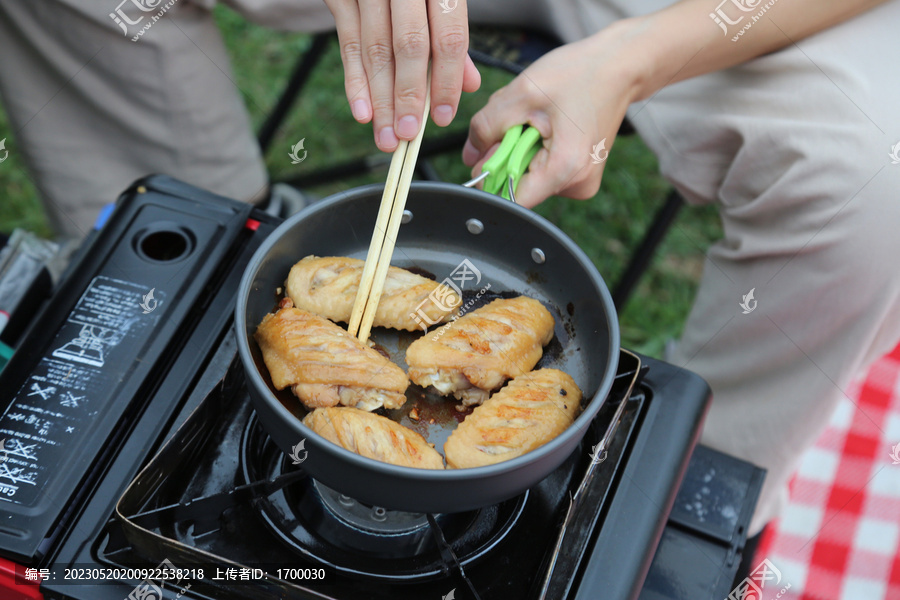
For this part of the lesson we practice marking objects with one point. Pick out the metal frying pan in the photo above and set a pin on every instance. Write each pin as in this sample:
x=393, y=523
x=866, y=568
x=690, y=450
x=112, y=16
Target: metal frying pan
x=516, y=252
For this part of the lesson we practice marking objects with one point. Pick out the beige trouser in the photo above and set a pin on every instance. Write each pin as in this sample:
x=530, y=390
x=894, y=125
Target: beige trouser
x=793, y=148
x=92, y=111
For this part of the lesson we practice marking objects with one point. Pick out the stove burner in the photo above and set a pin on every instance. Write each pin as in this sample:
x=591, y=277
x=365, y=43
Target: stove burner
x=354, y=526
x=370, y=518
x=361, y=540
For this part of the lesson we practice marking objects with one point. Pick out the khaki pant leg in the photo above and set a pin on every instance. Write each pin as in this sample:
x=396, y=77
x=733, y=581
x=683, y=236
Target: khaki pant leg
x=794, y=149
x=92, y=110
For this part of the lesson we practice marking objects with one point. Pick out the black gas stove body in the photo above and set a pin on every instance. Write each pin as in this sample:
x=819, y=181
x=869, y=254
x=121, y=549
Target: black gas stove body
x=164, y=393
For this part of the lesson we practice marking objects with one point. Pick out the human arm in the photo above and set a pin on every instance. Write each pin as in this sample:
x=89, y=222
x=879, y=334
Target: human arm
x=577, y=95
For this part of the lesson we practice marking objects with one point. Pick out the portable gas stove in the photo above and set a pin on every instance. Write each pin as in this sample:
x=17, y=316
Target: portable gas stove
x=134, y=466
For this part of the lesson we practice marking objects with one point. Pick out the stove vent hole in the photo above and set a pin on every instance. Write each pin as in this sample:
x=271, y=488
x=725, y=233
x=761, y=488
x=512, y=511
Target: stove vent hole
x=164, y=244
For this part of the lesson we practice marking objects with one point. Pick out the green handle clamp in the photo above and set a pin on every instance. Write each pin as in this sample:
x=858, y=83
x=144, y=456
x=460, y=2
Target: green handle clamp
x=511, y=160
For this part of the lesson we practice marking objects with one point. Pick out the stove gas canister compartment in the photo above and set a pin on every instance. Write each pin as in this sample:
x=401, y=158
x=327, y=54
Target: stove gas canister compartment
x=72, y=388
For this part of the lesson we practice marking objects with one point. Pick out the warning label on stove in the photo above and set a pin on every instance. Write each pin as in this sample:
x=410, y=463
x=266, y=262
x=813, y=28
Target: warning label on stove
x=48, y=426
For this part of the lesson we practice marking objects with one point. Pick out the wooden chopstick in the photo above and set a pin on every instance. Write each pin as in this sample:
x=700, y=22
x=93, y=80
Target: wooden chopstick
x=387, y=226
x=381, y=227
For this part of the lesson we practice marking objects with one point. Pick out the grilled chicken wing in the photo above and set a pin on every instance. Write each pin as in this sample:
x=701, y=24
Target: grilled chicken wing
x=327, y=286
x=374, y=436
x=478, y=352
x=325, y=365
x=529, y=412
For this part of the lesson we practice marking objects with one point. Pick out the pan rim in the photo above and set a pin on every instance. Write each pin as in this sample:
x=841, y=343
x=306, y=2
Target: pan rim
x=444, y=475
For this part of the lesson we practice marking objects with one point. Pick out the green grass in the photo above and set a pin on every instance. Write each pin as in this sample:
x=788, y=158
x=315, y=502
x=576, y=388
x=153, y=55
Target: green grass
x=19, y=204
x=607, y=226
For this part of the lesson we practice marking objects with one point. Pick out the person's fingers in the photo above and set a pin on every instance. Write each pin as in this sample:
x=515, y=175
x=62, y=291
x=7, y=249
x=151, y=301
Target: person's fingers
x=548, y=176
x=473, y=157
x=378, y=60
x=562, y=169
x=479, y=165
x=518, y=103
x=411, y=44
x=486, y=128
x=449, y=45
x=590, y=163
x=585, y=183
x=346, y=18
x=471, y=76
x=489, y=125
x=543, y=179
x=553, y=172
x=584, y=189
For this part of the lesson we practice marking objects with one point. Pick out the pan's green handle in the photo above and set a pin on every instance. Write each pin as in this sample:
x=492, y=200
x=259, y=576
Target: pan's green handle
x=496, y=165
x=528, y=145
x=511, y=159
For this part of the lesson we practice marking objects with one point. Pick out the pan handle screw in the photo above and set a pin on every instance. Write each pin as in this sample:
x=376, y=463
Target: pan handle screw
x=346, y=500
x=537, y=255
x=407, y=217
x=379, y=514
x=474, y=226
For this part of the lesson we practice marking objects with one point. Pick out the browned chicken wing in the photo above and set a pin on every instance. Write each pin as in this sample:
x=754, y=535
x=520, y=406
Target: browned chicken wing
x=374, y=436
x=326, y=366
x=530, y=411
x=327, y=286
x=478, y=352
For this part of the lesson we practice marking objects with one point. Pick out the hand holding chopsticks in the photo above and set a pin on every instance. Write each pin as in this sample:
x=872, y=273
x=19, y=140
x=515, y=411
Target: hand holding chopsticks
x=387, y=225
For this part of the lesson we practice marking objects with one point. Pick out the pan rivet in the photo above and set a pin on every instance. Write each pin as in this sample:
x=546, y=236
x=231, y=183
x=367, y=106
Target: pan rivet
x=346, y=500
x=537, y=255
x=407, y=217
x=379, y=514
x=474, y=226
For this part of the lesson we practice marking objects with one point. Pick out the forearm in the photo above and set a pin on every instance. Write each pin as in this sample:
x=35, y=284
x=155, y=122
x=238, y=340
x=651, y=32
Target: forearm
x=694, y=37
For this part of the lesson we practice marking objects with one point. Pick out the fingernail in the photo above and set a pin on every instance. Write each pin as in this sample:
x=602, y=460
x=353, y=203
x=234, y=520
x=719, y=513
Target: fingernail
x=469, y=154
x=408, y=127
x=360, y=110
x=443, y=114
x=386, y=138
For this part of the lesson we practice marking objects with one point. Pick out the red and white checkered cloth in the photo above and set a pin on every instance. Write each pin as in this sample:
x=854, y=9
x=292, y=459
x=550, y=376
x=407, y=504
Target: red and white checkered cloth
x=839, y=538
